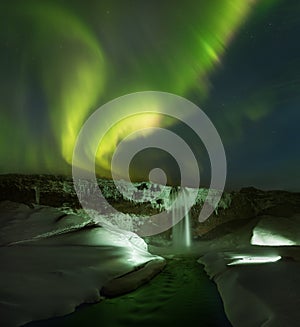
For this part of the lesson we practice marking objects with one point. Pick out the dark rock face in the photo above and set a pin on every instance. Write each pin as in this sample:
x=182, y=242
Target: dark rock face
x=241, y=208
x=58, y=191
x=250, y=203
x=48, y=190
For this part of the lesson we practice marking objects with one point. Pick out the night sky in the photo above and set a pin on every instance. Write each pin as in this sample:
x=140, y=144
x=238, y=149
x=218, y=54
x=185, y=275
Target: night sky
x=238, y=60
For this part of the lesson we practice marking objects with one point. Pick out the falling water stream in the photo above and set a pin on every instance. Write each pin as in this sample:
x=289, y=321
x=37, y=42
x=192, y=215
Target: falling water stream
x=181, y=232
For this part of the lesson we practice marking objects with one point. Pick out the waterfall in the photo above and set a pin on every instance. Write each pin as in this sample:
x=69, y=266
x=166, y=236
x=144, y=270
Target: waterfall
x=181, y=231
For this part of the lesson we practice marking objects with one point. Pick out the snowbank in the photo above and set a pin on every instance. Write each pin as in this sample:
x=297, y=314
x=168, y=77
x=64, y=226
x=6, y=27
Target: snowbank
x=259, y=285
x=52, y=262
x=277, y=231
x=261, y=294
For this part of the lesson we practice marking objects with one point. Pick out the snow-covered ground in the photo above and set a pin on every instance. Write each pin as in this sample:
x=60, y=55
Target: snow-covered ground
x=281, y=231
x=52, y=262
x=259, y=285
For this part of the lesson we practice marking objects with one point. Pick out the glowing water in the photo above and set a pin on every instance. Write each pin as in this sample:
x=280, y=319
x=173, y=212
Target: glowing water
x=181, y=231
x=187, y=230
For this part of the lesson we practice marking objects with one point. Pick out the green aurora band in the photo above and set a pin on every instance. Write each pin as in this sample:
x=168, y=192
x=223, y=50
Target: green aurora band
x=67, y=62
x=64, y=71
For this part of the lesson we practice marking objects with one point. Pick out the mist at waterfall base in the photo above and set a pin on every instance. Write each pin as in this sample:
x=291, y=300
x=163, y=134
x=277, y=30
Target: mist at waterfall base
x=237, y=60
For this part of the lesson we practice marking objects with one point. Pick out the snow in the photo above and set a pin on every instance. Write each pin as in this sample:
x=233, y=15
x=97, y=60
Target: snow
x=259, y=285
x=52, y=262
x=257, y=294
x=277, y=231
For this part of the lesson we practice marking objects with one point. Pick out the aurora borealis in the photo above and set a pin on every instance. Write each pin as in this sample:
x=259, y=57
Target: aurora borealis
x=239, y=61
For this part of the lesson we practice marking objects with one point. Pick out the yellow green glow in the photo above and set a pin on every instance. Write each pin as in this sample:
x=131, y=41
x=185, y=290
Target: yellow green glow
x=68, y=66
x=66, y=60
x=73, y=81
x=195, y=59
x=214, y=37
x=76, y=103
x=152, y=116
x=190, y=54
x=124, y=128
